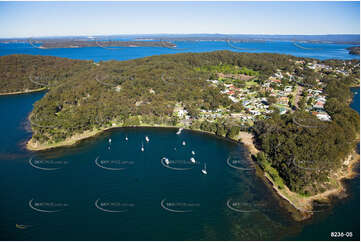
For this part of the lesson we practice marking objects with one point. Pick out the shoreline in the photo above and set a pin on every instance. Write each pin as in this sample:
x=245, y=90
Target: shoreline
x=23, y=92
x=30, y=145
x=302, y=206
x=305, y=205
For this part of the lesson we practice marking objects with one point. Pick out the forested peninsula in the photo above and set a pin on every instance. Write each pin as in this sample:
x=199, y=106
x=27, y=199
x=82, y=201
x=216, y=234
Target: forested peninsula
x=102, y=43
x=297, y=109
x=355, y=50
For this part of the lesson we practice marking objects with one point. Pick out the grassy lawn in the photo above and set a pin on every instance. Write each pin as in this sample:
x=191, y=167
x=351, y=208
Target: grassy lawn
x=251, y=83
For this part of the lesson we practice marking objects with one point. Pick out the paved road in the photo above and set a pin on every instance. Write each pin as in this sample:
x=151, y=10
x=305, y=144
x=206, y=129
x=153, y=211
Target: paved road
x=299, y=91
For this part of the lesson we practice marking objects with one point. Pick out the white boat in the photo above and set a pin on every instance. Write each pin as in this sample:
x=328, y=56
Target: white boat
x=147, y=139
x=110, y=141
x=166, y=161
x=179, y=131
x=184, y=143
x=193, y=153
x=20, y=226
x=204, y=170
x=193, y=160
x=142, y=149
x=126, y=138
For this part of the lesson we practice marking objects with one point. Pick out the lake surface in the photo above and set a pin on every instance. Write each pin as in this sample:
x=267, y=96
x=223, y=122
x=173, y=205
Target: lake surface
x=319, y=51
x=102, y=190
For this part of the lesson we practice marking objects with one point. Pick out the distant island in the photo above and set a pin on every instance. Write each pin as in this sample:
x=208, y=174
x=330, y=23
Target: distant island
x=50, y=44
x=354, y=50
x=291, y=112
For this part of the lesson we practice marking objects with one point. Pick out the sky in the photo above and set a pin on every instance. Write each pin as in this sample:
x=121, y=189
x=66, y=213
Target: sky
x=36, y=19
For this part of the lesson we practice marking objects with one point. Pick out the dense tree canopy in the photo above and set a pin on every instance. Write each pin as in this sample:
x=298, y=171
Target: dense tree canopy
x=305, y=150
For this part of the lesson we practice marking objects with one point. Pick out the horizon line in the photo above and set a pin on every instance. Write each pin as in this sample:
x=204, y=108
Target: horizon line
x=90, y=35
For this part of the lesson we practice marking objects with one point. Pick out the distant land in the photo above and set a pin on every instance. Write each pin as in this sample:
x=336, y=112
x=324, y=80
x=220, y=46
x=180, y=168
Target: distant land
x=71, y=43
x=153, y=40
x=354, y=50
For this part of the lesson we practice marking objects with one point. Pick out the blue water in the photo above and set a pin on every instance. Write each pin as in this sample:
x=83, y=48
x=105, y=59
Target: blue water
x=85, y=200
x=319, y=51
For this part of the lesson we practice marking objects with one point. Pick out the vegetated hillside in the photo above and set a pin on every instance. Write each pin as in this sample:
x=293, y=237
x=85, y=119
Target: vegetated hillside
x=150, y=87
x=305, y=150
x=28, y=72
